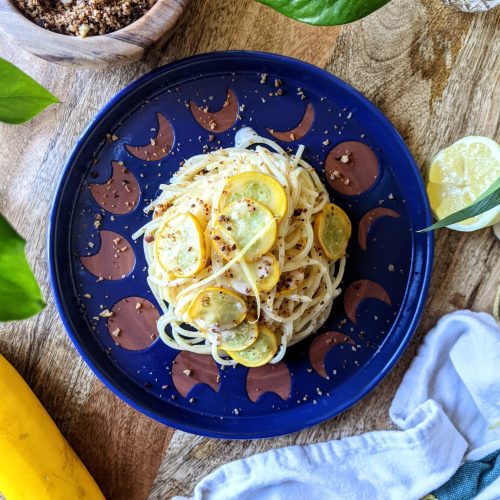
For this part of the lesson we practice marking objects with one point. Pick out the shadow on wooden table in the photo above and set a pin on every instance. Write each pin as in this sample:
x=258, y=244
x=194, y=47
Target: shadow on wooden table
x=127, y=442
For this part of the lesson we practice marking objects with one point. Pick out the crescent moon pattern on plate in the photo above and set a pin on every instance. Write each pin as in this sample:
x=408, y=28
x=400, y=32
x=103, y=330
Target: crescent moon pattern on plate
x=133, y=324
x=217, y=121
x=299, y=131
x=114, y=260
x=190, y=369
x=367, y=221
x=321, y=346
x=359, y=291
x=351, y=168
x=120, y=193
x=159, y=146
x=269, y=378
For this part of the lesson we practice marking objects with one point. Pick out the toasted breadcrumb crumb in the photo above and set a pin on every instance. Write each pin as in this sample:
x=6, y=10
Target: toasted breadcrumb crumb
x=84, y=17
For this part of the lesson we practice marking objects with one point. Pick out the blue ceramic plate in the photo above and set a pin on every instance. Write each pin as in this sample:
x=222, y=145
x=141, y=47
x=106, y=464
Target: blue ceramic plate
x=137, y=141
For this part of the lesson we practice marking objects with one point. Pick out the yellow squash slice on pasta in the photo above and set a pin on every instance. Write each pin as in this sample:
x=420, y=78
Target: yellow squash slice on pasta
x=333, y=230
x=255, y=186
x=238, y=223
x=265, y=271
x=180, y=246
x=260, y=352
x=217, y=308
x=240, y=337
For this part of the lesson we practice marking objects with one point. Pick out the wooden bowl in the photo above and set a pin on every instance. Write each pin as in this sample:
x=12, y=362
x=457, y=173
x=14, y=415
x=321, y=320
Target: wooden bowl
x=114, y=49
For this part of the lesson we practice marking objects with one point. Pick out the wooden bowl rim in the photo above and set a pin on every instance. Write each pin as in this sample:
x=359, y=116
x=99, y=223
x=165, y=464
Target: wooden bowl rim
x=144, y=32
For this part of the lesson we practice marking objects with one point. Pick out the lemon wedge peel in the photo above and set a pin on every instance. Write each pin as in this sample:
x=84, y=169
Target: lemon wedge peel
x=460, y=176
x=487, y=202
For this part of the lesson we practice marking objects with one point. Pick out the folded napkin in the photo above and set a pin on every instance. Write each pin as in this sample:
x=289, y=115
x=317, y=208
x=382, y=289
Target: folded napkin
x=447, y=408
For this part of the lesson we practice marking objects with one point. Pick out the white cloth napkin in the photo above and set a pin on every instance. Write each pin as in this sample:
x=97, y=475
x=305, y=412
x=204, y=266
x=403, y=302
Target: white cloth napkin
x=446, y=406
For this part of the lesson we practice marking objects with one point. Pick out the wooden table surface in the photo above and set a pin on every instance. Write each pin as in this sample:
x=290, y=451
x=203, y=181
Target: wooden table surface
x=433, y=71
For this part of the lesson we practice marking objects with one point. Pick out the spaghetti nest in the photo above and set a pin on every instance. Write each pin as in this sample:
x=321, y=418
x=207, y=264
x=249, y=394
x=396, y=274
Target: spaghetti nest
x=245, y=252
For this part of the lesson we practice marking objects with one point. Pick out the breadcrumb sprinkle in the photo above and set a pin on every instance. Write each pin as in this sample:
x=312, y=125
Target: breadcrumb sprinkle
x=84, y=17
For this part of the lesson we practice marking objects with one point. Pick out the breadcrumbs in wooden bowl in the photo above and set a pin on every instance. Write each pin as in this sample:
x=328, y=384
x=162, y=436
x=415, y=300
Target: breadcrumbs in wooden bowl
x=84, y=17
x=92, y=33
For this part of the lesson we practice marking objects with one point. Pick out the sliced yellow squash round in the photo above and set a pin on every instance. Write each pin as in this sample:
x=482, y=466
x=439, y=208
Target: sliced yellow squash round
x=216, y=308
x=256, y=186
x=266, y=272
x=240, y=337
x=180, y=246
x=238, y=223
x=332, y=228
x=260, y=352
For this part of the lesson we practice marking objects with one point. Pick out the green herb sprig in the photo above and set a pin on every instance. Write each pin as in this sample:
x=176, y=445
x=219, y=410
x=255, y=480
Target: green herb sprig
x=488, y=200
x=325, y=12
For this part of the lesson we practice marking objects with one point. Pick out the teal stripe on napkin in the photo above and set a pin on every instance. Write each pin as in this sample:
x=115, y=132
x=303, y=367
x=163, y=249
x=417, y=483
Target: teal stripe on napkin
x=470, y=479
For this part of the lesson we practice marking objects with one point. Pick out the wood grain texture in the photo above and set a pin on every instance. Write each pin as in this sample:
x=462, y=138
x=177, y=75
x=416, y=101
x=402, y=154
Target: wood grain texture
x=434, y=72
x=114, y=49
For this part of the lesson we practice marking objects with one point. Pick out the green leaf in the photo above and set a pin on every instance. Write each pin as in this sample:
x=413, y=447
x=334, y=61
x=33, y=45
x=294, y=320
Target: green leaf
x=325, y=12
x=21, y=98
x=20, y=295
x=488, y=200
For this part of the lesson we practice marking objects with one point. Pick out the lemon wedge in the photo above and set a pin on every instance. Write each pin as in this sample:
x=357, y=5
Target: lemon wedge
x=217, y=308
x=256, y=186
x=459, y=174
x=180, y=246
x=260, y=352
x=333, y=230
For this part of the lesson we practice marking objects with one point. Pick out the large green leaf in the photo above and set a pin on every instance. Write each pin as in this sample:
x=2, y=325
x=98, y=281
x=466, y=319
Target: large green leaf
x=325, y=12
x=21, y=98
x=20, y=295
x=488, y=200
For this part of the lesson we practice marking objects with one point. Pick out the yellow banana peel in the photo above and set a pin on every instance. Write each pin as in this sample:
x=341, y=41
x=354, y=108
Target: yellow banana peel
x=36, y=462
